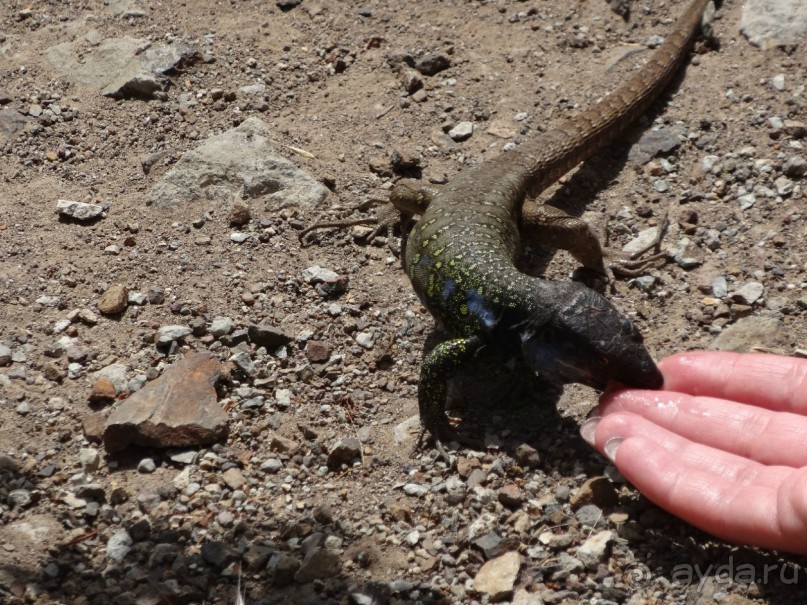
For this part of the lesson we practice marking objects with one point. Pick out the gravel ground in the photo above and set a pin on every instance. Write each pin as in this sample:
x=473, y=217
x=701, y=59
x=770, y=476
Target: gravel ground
x=315, y=494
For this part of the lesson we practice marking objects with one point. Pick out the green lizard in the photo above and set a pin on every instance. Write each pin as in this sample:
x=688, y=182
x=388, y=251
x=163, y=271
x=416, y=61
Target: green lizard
x=461, y=255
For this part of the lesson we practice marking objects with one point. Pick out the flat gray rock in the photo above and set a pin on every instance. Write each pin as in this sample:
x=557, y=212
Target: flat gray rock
x=752, y=333
x=11, y=122
x=239, y=162
x=769, y=23
x=118, y=67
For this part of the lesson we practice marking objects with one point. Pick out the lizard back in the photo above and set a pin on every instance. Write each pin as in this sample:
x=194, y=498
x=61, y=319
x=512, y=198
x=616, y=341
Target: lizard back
x=460, y=256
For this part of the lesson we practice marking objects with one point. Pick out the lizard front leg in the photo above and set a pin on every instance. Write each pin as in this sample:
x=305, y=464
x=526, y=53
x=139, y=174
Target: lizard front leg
x=407, y=199
x=554, y=227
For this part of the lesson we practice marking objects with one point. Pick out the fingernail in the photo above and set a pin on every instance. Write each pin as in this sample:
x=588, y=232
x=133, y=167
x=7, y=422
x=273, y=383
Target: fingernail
x=611, y=446
x=594, y=412
x=589, y=428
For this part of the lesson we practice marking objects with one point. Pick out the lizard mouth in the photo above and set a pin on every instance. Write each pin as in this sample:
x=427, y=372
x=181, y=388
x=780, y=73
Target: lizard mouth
x=571, y=365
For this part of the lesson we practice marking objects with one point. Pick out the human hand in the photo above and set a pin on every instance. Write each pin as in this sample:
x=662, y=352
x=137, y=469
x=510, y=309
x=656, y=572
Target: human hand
x=723, y=446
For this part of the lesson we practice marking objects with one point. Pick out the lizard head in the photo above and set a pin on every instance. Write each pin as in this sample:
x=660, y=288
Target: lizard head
x=581, y=337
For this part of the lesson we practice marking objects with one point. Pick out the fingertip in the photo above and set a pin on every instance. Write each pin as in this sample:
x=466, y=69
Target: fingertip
x=611, y=447
x=588, y=430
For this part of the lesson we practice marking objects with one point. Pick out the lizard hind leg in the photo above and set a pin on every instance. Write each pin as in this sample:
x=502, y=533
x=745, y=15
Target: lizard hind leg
x=554, y=227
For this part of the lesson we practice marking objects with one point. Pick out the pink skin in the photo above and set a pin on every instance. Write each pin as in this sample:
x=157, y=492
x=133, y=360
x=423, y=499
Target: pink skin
x=722, y=446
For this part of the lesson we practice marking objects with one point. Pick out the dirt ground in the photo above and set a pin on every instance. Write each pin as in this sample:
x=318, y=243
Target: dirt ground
x=334, y=89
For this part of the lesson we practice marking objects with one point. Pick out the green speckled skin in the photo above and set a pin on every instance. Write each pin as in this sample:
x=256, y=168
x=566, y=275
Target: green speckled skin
x=460, y=256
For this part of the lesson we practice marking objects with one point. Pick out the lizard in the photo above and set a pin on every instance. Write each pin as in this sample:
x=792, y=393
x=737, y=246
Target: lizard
x=460, y=256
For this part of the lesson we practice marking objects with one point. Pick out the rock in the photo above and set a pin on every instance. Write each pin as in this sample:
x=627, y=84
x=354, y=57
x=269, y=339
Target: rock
x=272, y=466
x=523, y=597
x=719, y=287
x=114, y=300
x=753, y=332
x=19, y=498
x=116, y=374
x=596, y=490
x=118, y=67
x=234, y=478
x=11, y=123
x=653, y=143
x=319, y=563
x=641, y=241
x=795, y=167
x=89, y=459
x=239, y=162
x=243, y=361
x=168, y=334
x=344, y=451
x=317, y=351
x=257, y=556
x=432, y=64
x=93, y=425
x=747, y=201
x=688, y=255
x=178, y=409
x=239, y=212
x=146, y=466
x=461, y=131
x=284, y=567
x=770, y=23
x=749, y=293
x=490, y=544
x=156, y=296
x=795, y=128
x=87, y=317
x=497, y=577
x=511, y=496
x=365, y=340
x=267, y=336
x=589, y=515
x=5, y=356
x=119, y=545
x=103, y=391
x=79, y=211
x=218, y=554
x=278, y=443
x=527, y=456
x=325, y=281
x=594, y=549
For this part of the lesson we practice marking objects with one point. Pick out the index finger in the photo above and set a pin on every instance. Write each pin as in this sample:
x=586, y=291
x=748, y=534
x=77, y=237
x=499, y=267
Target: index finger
x=774, y=382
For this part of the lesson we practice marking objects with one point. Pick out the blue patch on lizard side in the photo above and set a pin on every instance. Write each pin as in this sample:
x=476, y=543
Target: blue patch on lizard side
x=477, y=308
x=449, y=287
x=425, y=260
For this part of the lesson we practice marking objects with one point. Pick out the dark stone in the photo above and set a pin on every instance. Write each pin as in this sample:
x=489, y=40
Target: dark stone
x=268, y=336
x=432, y=64
x=218, y=554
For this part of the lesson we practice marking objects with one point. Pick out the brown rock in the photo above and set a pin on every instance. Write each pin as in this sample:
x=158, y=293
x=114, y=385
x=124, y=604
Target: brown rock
x=178, y=409
x=234, y=478
x=527, y=456
x=466, y=465
x=597, y=490
x=54, y=372
x=93, y=425
x=511, y=496
x=498, y=576
x=239, y=212
x=282, y=444
x=317, y=351
x=114, y=300
x=400, y=511
x=103, y=391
